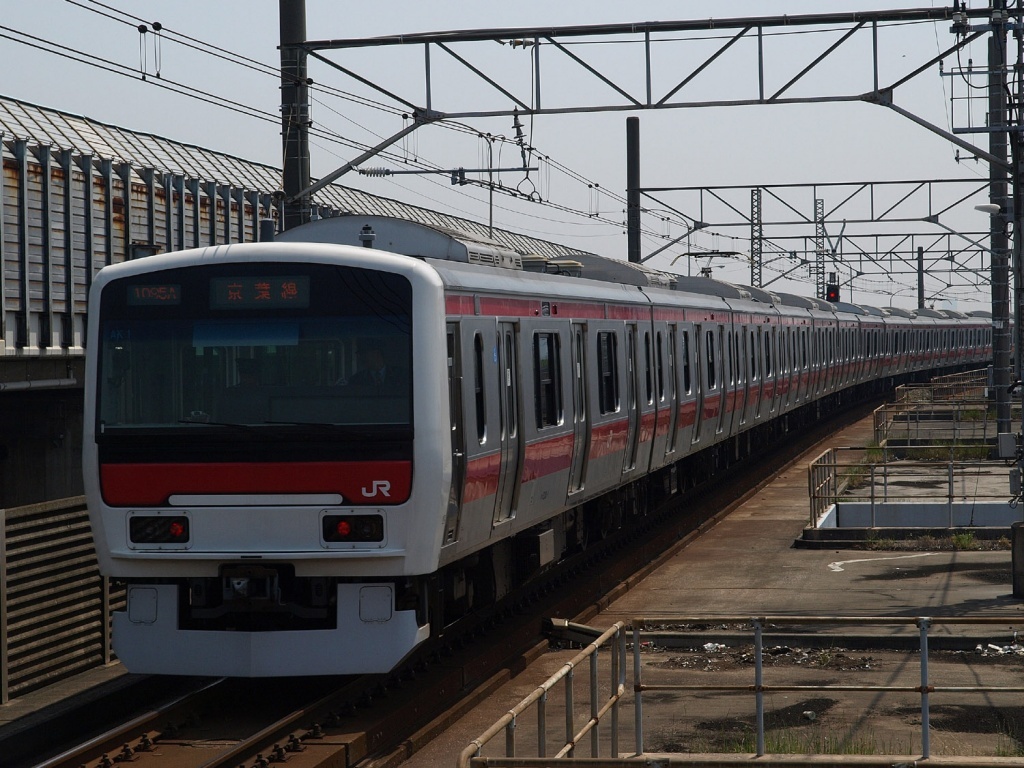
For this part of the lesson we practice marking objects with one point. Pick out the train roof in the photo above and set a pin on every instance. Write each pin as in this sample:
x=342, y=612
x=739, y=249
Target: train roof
x=899, y=312
x=800, y=302
x=435, y=241
x=406, y=237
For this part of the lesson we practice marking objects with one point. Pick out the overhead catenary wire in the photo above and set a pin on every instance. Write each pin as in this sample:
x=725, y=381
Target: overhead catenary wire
x=553, y=166
x=124, y=17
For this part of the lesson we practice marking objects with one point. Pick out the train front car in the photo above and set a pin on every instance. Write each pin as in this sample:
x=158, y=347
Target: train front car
x=258, y=470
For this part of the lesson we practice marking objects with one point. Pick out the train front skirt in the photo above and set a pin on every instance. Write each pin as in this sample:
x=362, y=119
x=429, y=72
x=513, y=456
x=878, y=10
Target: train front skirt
x=370, y=637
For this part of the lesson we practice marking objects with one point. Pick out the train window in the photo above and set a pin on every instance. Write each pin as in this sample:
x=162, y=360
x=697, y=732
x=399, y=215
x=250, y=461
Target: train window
x=753, y=357
x=510, y=386
x=712, y=379
x=579, y=381
x=734, y=358
x=478, y=388
x=607, y=372
x=648, y=374
x=659, y=366
x=767, y=353
x=547, y=379
x=672, y=376
x=737, y=356
x=687, y=383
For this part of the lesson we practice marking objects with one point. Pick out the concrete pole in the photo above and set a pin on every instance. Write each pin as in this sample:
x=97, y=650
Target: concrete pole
x=920, y=277
x=633, y=189
x=294, y=112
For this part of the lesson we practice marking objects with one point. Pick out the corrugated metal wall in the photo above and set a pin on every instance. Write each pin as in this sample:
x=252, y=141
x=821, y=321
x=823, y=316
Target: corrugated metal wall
x=55, y=606
x=65, y=216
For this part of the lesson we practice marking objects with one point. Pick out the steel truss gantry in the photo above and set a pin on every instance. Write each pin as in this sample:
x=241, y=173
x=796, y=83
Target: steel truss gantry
x=853, y=228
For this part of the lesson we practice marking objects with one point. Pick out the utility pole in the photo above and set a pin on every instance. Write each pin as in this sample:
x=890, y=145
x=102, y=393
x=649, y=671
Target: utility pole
x=294, y=113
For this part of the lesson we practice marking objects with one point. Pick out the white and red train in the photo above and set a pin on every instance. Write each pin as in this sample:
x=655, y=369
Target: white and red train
x=305, y=456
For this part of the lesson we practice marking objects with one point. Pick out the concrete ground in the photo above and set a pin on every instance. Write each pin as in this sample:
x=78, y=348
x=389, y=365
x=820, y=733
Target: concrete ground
x=747, y=566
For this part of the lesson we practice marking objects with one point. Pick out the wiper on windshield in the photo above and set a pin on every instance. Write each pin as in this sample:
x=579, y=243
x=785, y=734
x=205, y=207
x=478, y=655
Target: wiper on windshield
x=248, y=427
x=352, y=430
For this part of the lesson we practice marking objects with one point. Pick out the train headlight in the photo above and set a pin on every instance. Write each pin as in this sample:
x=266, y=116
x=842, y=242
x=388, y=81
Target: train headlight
x=144, y=529
x=353, y=528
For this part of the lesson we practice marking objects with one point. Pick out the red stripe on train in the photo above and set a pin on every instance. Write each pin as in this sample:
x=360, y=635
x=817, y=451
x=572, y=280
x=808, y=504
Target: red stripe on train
x=358, y=482
x=482, y=476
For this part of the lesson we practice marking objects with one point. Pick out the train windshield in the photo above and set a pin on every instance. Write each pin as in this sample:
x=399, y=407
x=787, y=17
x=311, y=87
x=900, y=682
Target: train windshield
x=261, y=346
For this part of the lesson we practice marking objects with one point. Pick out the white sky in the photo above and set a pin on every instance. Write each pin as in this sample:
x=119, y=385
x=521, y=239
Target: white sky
x=707, y=147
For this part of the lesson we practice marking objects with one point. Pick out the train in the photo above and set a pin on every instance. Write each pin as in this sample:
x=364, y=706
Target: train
x=307, y=456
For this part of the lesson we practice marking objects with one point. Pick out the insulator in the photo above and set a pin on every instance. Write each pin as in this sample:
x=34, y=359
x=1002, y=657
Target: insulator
x=374, y=171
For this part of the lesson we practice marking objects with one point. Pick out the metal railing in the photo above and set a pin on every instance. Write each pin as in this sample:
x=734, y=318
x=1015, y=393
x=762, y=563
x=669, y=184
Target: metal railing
x=613, y=640
x=922, y=475
x=930, y=422
x=968, y=385
x=957, y=407
x=650, y=633
x=759, y=688
x=55, y=606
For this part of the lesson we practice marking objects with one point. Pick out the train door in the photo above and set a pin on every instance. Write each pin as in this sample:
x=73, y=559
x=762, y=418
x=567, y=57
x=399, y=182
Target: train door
x=698, y=381
x=687, y=390
x=718, y=341
x=671, y=374
x=786, y=339
x=632, y=410
x=742, y=375
x=804, y=377
x=507, y=352
x=581, y=418
x=451, y=523
x=716, y=372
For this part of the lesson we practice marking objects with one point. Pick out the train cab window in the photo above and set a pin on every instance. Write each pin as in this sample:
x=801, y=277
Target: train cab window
x=547, y=379
x=478, y=388
x=687, y=382
x=264, y=345
x=607, y=372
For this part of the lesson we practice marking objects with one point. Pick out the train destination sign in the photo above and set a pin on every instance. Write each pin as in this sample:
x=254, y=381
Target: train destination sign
x=247, y=292
x=154, y=295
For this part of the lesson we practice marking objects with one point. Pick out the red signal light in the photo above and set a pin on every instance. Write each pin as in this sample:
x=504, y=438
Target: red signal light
x=353, y=528
x=156, y=529
x=832, y=292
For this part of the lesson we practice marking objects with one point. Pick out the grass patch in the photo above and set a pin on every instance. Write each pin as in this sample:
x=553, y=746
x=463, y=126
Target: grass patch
x=962, y=541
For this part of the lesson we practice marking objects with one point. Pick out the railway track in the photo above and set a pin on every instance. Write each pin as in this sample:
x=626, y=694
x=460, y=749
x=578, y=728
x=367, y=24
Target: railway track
x=378, y=720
